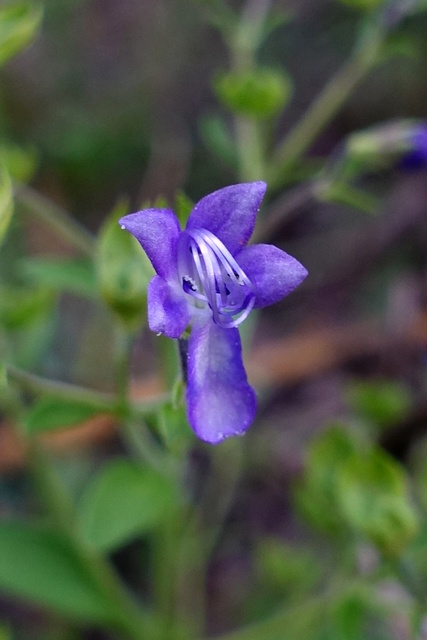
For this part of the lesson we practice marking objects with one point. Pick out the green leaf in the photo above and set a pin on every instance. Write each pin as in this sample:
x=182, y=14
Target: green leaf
x=18, y=26
x=20, y=163
x=124, y=501
x=285, y=568
x=316, y=496
x=24, y=306
x=373, y=496
x=43, y=567
x=381, y=402
x=123, y=271
x=260, y=94
x=6, y=201
x=301, y=622
x=49, y=414
x=363, y=5
x=74, y=276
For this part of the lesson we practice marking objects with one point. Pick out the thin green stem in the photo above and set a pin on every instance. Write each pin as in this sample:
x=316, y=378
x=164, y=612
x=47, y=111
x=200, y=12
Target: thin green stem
x=56, y=218
x=322, y=110
x=38, y=385
x=243, y=47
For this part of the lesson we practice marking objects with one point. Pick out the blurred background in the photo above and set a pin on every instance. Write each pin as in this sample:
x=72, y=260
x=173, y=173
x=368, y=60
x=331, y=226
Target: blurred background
x=316, y=520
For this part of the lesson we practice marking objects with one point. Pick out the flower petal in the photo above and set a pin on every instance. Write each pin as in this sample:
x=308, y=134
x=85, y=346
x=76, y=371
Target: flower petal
x=229, y=213
x=157, y=231
x=272, y=272
x=168, y=311
x=220, y=402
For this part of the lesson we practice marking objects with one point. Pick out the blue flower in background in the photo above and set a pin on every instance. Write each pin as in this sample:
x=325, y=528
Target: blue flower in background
x=208, y=278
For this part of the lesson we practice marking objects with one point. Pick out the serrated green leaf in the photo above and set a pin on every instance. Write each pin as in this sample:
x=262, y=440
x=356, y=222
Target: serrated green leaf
x=261, y=93
x=123, y=502
x=6, y=201
x=18, y=26
x=123, y=271
x=74, y=276
x=49, y=414
x=42, y=566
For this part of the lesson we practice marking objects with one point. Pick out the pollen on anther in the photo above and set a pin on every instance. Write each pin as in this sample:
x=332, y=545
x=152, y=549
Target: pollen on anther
x=122, y=226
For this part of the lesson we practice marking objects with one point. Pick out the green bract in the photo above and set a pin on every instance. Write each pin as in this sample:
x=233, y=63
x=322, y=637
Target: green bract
x=123, y=271
x=261, y=93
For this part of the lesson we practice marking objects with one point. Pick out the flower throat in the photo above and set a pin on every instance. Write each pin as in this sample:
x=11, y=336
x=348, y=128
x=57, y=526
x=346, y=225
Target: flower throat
x=211, y=276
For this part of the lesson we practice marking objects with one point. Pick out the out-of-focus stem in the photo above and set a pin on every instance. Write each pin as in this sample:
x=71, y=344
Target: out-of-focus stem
x=322, y=110
x=56, y=218
x=38, y=385
x=248, y=134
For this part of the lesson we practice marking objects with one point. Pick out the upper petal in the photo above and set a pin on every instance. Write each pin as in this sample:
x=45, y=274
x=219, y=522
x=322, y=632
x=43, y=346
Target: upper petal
x=168, y=311
x=272, y=272
x=157, y=230
x=220, y=402
x=229, y=213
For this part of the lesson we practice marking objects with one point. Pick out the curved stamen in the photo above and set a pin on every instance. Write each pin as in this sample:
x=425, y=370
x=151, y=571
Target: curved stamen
x=212, y=277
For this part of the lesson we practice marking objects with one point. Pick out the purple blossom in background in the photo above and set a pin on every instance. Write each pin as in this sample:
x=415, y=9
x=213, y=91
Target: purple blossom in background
x=417, y=156
x=208, y=278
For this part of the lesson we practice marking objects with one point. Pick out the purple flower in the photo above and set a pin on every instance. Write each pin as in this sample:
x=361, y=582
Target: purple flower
x=208, y=278
x=416, y=157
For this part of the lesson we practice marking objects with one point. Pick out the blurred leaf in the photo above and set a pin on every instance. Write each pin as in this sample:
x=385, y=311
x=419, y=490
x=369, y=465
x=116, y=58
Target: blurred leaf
x=363, y=5
x=261, y=93
x=285, y=568
x=316, y=496
x=20, y=163
x=22, y=307
x=349, y=615
x=123, y=271
x=6, y=201
x=373, y=496
x=301, y=622
x=218, y=139
x=5, y=632
x=42, y=566
x=381, y=402
x=123, y=502
x=74, y=276
x=18, y=26
x=49, y=414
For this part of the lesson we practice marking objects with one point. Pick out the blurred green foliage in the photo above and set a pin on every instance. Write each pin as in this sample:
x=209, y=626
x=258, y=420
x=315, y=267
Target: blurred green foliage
x=174, y=510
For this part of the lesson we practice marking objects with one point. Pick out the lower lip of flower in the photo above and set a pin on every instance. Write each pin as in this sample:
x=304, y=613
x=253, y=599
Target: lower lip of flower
x=211, y=277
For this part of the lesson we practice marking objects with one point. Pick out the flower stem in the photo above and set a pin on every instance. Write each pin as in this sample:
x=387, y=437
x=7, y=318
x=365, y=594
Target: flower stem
x=56, y=218
x=243, y=47
x=38, y=385
x=323, y=109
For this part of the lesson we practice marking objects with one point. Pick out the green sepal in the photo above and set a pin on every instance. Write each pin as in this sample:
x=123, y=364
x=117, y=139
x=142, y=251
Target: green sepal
x=123, y=271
